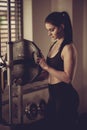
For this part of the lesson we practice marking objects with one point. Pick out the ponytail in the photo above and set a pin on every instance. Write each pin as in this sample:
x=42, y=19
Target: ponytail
x=68, y=27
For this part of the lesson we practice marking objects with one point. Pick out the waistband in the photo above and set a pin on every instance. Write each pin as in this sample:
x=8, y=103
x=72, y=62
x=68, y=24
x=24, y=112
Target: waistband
x=60, y=84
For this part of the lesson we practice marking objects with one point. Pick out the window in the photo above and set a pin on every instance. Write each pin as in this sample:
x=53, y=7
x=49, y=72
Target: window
x=16, y=25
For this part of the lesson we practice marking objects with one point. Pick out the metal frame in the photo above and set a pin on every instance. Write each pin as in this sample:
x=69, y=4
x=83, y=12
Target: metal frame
x=9, y=60
x=9, y=74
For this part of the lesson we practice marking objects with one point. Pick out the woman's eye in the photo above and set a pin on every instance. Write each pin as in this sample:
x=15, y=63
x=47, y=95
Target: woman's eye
x=51, y=30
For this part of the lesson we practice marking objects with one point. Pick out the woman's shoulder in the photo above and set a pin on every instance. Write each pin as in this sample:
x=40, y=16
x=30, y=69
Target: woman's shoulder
x=69, y=48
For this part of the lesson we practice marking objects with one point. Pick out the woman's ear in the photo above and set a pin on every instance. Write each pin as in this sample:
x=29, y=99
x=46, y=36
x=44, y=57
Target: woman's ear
x=62, y=25
x=61, y=28
x=61, y=31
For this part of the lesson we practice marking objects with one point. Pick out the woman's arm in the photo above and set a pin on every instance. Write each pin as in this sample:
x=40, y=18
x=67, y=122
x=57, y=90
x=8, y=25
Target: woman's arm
x=69, y=57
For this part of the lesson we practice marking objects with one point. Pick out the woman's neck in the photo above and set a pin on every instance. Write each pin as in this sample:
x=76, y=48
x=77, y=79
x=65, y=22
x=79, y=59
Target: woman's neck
x=58, y=40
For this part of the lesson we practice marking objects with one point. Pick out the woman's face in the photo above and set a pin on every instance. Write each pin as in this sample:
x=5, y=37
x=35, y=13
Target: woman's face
x=53, y=31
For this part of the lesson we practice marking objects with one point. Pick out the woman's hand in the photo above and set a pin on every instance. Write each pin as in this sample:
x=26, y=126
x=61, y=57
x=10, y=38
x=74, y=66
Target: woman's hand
x=42, y=63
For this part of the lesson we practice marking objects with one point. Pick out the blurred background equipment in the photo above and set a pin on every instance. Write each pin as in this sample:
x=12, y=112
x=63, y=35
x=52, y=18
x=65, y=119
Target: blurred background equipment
x=28, y=97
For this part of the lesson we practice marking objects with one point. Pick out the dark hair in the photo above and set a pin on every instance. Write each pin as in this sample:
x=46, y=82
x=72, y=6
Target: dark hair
x=58, y=18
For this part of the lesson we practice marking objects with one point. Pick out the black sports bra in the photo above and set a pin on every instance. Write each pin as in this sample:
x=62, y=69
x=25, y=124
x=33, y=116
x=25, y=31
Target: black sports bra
x=56, y=62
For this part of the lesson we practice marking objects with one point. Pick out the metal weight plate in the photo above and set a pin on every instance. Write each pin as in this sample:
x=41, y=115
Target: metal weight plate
x=25, y=54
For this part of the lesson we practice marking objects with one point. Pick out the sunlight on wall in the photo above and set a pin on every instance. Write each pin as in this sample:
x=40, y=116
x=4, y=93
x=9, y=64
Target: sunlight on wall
x=28, y=29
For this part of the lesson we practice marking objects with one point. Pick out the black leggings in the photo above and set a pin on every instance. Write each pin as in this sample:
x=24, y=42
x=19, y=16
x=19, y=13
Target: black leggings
x=62, y=105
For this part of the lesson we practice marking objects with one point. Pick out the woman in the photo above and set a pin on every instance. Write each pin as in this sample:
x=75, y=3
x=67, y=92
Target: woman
x=60, y=66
